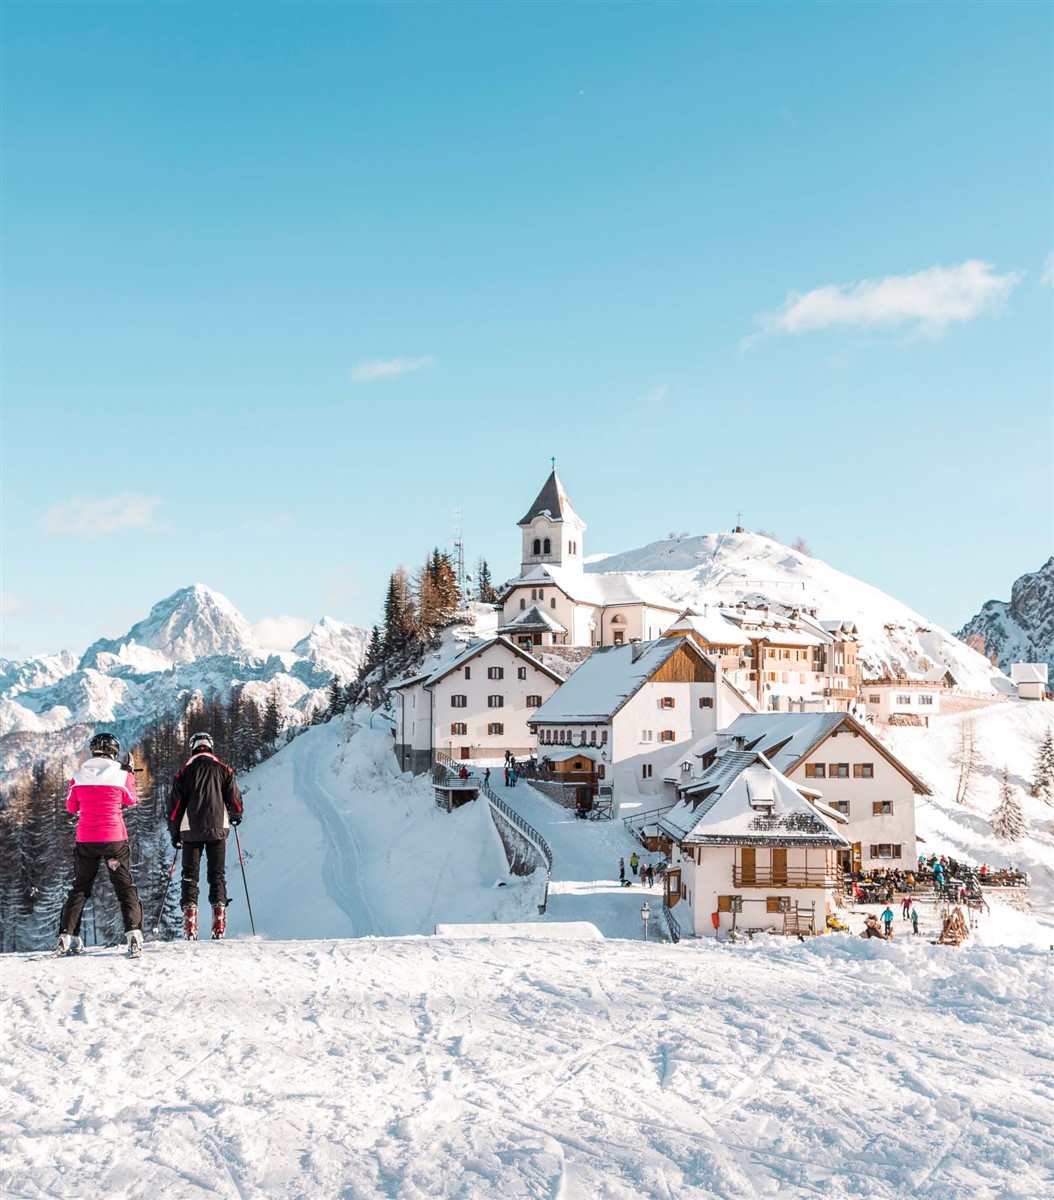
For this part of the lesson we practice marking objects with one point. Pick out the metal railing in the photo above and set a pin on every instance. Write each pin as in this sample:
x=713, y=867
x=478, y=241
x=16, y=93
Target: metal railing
x=790, y=877
x=529, y=832
x=673, y=928
x=634, y=822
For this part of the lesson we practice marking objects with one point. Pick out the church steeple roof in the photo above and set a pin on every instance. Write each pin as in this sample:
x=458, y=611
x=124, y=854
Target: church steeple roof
x=552, y=501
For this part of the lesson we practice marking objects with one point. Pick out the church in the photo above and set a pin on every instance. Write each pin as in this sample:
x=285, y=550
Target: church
x=554, y=601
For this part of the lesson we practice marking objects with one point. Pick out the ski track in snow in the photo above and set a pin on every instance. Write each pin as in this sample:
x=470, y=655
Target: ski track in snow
x=421, y=1067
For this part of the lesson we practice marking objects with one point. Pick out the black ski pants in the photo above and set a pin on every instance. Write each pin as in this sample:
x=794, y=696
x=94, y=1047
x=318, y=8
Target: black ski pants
x=86, y=859
x=215, y=860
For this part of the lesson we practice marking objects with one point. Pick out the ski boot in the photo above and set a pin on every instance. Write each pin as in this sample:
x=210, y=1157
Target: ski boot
x=219, y=922
x=190, y=923
x=68, y=943
x=134, y=938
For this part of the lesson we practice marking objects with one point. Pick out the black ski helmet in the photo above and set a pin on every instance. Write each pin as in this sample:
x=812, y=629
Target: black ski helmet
x=201, y=741
x=105, y=745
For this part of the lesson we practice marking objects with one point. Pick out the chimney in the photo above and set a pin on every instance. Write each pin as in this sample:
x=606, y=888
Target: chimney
x=636, y=650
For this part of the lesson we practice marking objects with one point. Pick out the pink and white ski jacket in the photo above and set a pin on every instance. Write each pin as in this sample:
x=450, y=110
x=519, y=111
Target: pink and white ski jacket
x=99, y=790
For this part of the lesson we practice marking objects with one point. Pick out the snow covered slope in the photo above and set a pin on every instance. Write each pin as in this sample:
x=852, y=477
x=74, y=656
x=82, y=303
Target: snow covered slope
x=727, y=567
x=1023, y=629
x=194, y=641
x=423, y=1067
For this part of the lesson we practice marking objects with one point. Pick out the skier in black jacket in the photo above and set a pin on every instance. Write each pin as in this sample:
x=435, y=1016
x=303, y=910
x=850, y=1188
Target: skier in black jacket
x=205, y=803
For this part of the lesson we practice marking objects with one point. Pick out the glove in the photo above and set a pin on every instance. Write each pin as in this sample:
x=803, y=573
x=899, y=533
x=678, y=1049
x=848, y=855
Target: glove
x=176, y=842
x=236, y=820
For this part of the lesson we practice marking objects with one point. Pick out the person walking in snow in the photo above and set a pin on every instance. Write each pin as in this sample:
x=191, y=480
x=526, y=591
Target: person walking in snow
x=914, y=921
x=100, y=790
x=205, y=804
x=486, y=777
x=506, y=770
x=905, y=908
x=651, y=875
x=622, y=870
x=634, y=862
x=512, y=777
x=887, y=921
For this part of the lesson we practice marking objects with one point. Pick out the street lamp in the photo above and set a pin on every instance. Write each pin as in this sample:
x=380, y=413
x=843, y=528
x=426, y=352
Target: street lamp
x=645, y=916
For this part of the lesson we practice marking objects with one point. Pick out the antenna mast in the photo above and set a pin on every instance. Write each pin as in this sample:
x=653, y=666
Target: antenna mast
x=459, y=552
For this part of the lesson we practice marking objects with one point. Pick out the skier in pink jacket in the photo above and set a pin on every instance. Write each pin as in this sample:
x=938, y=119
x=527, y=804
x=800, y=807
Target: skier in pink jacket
x=100, y=790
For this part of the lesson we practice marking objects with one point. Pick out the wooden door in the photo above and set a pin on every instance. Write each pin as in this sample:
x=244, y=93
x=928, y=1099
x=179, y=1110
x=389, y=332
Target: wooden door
x=466, y=751
x=779, y=864
x=748, y=864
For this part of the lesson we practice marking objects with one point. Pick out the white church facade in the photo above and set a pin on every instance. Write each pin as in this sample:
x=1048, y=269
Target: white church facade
x=555, y=602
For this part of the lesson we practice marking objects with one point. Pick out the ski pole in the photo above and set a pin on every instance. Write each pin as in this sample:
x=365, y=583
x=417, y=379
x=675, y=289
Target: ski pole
x=245, y=882
x=164, y=894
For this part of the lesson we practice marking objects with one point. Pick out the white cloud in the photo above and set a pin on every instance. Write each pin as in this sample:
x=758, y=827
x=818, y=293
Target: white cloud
x=388, y=368
x=91, y=519
x=1047, y=277
x=928, y=301
x=281, y=633
x=11, y=604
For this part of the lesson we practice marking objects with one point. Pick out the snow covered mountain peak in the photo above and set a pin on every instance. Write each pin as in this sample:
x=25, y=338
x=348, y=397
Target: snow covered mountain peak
x=334, y=646
x=194, y=622
x=733, y=568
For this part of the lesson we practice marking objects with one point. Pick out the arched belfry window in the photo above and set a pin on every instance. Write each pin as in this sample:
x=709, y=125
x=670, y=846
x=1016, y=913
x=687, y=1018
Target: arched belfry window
x=547, y=546
x=537, y=546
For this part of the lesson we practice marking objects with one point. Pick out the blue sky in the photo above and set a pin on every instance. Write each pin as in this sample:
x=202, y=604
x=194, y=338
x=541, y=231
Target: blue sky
x=285, y=285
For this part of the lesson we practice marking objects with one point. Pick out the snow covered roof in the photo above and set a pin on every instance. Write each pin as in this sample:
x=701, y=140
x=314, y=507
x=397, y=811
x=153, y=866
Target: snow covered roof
x=712, y=626
x=552, y=501
x=533, y=618
x=1028, y=672
x=465, y=655
x=606, y=680
x=743, y=800
x=603, y=590
x=787, y=738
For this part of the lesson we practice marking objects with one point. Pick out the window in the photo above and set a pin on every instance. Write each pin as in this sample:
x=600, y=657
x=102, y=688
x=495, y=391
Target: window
x=667, y=702
x=495, y=701
x=523, y=604
x=863, y=770
x=468, y=672
x=925, y=699
x=777, y=904
x=815, y=771
x=536, y=548
x=547, y=546
x=521, y=672
x=495, y=672
x=645, y=735
x=667, y=735
x=706, y=702
x=534, y=701
x=724, y=904
x=541, y=593
x=534, y=593
x=459, y=701
x=495, y=729
x=603, y=736
x=904, y=700
x=882, y=808
x=886, y=850
x=839, y=771
x=645, y=771
x=552, y=602
x=874, y=699
x=841, y=806
x=459, y=728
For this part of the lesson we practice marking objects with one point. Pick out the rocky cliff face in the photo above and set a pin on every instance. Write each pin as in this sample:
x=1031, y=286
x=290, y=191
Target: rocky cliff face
x=1021, y=630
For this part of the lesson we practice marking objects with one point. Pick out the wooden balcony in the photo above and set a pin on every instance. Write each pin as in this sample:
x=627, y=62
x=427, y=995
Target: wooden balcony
x=791, y=877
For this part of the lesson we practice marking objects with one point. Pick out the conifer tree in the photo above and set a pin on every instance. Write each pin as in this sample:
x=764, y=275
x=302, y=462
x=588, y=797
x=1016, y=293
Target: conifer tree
x=399, y=617
x=486, y=590
x=272, y=719
x=335, y=701
x=1008, y=819
x=1043, y=786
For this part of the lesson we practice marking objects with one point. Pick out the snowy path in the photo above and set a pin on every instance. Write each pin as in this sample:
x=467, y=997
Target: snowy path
x=585, y=885
x=418, y=1067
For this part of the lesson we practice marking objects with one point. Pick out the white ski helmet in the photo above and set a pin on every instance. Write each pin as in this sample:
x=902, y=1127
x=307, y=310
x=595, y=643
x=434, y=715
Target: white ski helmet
x=201, y=741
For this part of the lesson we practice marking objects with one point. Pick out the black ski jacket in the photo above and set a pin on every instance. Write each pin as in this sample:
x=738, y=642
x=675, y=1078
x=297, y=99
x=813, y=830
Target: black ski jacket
x=205, y=800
